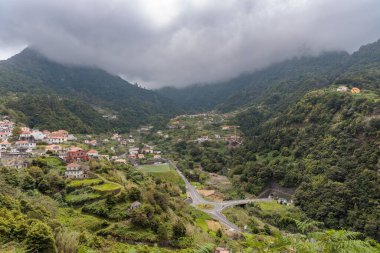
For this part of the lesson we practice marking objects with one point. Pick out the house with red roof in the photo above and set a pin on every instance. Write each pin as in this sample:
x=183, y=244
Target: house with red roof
x=76, y=154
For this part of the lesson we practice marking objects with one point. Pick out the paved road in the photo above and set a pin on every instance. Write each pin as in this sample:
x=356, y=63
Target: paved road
x=216, y=211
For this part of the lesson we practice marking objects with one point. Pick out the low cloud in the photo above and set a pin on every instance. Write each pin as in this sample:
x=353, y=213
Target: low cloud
x=181, y=42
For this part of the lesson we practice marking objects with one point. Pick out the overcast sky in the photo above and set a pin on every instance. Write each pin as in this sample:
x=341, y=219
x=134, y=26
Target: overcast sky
x=180, y=42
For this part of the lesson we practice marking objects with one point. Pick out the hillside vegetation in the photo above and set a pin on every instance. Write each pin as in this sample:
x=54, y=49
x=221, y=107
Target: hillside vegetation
x=75, y=94
x=327, y=146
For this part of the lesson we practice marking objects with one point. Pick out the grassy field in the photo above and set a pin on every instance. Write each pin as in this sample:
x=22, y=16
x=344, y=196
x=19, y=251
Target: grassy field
x=273, y=208
x=80, y=198
x=106, y=187
x=155, y=168
x=79, y=221
x=163, y=171
x=85, y=182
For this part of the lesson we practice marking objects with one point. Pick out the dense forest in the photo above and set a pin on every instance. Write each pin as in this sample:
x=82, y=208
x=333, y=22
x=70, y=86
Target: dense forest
x=34, y=82
x=327, y=146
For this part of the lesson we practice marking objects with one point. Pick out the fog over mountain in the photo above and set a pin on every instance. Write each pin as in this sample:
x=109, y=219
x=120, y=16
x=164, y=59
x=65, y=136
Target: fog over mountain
x=169, y=42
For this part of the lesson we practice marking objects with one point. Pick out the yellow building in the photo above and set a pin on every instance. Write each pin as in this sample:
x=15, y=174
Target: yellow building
x=355, y=90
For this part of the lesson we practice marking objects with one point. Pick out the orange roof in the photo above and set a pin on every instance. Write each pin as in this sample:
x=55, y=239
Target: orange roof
x=93, y=151
x=73, y=149
x=21, y=142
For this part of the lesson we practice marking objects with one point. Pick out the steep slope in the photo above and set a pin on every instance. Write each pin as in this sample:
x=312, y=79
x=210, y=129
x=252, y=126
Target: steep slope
x=364, y=68
x=326, y=144
x=31, y=73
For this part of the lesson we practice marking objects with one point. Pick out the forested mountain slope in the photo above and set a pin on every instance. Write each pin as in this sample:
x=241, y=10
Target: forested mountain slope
x=274, y=85
x=326, y=145
x=282, y=83
x=30, y=73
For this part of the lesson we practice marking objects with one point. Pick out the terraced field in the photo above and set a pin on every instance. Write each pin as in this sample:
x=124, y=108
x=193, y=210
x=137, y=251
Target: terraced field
x=162, y=171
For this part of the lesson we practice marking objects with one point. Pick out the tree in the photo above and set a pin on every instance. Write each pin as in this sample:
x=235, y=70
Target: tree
x=139, y=218
x=179, y=230
x=219, y=233
x=134, y=194
x=39, y=238
x=44, y=186
x=163, y=233
x=28, y=183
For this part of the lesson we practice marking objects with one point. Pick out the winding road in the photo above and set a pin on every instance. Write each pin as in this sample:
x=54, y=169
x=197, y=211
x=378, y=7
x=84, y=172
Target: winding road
x=217, y=207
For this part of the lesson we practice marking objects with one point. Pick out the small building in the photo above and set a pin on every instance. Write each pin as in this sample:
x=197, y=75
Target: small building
x=121, y=161
x=76, y=154
x=5, y=135
x=133, y=151
x=342, y=89
x=38, y=135
x=53, y=148
x=25, y=144
x=221, y=250
x=94, y=143
x=141, y=156
x=355, y=90
x=93, y=153
x=74, y=170
x=25, y=135
x=135, y=205
x=57, y=137
x=4, y=145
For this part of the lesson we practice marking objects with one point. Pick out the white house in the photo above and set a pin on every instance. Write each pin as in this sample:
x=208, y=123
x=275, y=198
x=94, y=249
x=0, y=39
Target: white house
x=38, y=135
x=53, y=148
x=74, y=170
x=4, y=145
x=342, y=89
x=25, y=144
x=25, y=134
x=93, y=153
x=4, y=135
x=133, y=151
x=56, y=139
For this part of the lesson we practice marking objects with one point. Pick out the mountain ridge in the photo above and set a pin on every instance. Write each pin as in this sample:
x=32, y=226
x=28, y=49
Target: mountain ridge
x=30, y=73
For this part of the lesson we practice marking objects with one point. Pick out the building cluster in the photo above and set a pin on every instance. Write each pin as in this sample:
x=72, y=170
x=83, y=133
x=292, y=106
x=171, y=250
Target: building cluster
x=343, y=88
x=121, y=140
x=141, y=153
x=17, y=151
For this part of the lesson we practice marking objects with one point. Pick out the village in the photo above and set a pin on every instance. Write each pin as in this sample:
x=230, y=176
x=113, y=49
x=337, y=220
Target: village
x=20, y=144
x=144, y=148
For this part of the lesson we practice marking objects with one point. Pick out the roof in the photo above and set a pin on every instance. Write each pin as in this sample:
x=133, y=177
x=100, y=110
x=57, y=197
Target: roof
x=73, y=149
x=22, y=142
x=135, y=204
x=92, y=151
x=73, y=165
